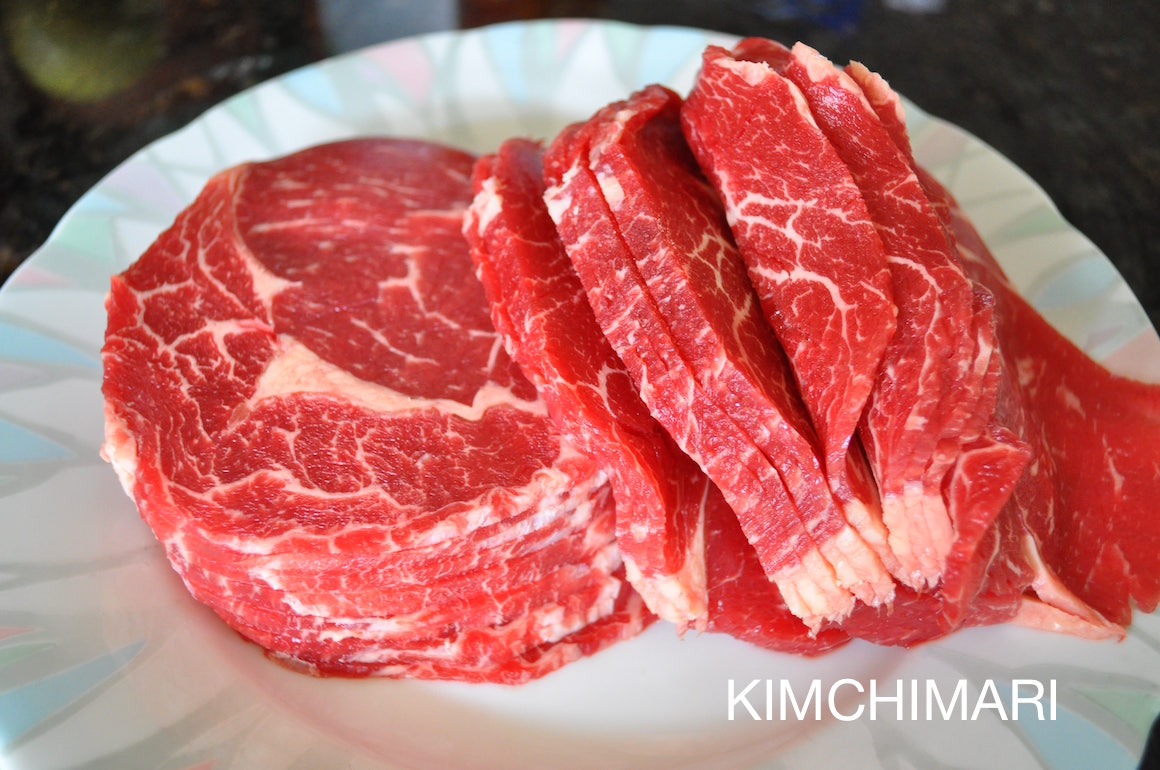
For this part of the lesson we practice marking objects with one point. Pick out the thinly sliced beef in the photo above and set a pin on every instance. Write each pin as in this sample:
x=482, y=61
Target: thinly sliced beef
x=742, y=601
x=539, y=306
x=1032, y=578
x=1098, y=446
x=921, y=410
x=665, y=504
x=739, y=362
x=812, y=253
x=307, y=401
x=649, y=241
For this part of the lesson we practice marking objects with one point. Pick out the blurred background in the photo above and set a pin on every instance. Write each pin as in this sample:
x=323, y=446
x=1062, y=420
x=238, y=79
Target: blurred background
x=1063, y=88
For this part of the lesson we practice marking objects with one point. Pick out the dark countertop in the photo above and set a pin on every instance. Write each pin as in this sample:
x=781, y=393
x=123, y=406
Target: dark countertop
x=1061, y=88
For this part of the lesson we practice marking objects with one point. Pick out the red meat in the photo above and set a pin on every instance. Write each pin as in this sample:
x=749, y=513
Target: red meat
x=538, y=305
x=812, y=253
x=648, y=239
x=306, y=399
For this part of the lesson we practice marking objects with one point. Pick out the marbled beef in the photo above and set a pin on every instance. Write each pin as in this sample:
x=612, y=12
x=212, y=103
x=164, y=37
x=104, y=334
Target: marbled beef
x=649, y=241
x=683, y=545
x=539, y=307
x=812, y=253
x=307, y=401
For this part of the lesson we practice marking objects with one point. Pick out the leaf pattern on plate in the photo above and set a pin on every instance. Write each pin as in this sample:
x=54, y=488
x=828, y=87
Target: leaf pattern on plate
x=31, y=705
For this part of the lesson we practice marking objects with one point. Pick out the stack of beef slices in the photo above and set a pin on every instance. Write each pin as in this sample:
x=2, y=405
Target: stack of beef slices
x=307, y=401
x=733, y=360
x=906, y=447
x=682, y=544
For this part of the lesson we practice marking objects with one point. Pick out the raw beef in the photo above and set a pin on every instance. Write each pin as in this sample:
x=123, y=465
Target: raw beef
x=742, y=601
x=539, y=307
x=812, y=253
x=1047, y=397
x=922, y=410
x=648, y=239
x=307, y=401
x=1097, y=441
x=665, y=504
x=1025, y=584
x=369, y=461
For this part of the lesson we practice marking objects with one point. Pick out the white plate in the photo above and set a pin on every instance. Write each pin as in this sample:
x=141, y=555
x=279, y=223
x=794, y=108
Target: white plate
x=105, y=659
